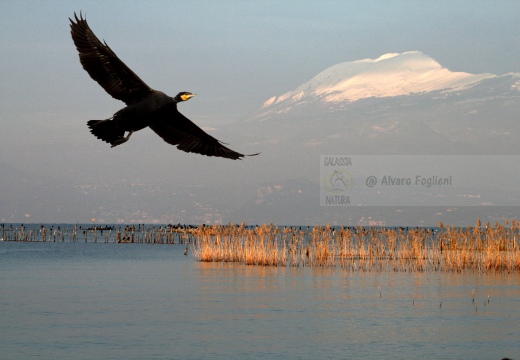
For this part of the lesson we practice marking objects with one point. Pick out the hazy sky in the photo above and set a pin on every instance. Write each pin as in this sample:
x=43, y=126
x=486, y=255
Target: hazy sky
x=233, y=54
x=236, y=54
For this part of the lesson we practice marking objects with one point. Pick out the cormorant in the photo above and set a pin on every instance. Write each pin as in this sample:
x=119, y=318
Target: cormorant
x=145, y=106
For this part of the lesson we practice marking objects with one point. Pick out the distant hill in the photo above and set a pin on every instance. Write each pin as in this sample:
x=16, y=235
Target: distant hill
x=397, y=104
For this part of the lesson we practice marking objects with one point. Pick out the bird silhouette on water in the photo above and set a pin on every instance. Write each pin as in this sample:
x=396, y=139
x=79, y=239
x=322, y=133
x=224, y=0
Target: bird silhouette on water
x=146, y=107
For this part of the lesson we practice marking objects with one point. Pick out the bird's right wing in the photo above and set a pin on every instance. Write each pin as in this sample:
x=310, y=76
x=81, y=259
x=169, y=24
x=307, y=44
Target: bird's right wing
x=103, y=65
x=179, y=130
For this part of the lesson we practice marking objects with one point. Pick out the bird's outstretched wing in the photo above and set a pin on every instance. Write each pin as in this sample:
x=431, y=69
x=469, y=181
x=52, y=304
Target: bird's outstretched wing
x=103, y=65
x=178, y=130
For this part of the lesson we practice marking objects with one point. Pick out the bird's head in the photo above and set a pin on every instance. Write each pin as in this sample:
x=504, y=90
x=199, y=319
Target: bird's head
x=184, y=96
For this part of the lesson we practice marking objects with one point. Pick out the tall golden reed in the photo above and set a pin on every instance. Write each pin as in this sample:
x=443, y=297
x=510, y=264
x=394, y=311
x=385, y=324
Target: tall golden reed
x=482, y=249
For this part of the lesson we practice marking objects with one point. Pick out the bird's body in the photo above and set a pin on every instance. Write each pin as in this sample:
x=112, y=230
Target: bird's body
x=146, y=107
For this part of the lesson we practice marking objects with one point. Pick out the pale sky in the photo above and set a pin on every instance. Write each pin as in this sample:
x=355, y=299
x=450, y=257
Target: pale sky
x=234, y=54
x=237, y=54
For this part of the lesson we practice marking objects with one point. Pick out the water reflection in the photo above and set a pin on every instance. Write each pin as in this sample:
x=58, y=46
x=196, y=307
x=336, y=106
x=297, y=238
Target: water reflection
x=151, y=301
x=422, y=311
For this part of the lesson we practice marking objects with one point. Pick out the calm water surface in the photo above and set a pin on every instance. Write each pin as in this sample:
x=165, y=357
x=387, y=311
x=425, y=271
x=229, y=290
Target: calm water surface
x=131, y=301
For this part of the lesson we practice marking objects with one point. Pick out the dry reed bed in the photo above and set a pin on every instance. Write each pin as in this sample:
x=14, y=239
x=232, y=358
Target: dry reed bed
x=364, y=249
x=488, y=248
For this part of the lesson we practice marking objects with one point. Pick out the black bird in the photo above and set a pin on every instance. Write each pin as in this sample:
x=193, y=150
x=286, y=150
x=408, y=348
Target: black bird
x=145, y=106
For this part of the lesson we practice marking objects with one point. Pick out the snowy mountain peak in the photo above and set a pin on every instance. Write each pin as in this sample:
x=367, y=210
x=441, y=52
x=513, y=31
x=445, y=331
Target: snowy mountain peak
x=389, y=75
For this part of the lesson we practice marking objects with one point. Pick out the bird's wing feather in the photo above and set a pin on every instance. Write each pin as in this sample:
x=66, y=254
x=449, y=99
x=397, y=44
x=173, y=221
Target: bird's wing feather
x=178, y=130
x=103, y=65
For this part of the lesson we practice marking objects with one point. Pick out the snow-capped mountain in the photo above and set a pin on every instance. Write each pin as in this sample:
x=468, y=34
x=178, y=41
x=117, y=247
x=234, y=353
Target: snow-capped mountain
x=389, y=75
x=397, y=104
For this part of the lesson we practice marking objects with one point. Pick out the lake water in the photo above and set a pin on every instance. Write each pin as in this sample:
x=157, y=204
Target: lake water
x=140, y=301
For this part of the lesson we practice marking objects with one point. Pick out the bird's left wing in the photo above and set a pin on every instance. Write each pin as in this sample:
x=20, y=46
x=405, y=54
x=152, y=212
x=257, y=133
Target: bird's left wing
x=179, y=130
x=103, y=65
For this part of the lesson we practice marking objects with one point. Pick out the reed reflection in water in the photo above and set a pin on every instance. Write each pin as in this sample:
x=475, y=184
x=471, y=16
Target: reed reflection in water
x=332, y=314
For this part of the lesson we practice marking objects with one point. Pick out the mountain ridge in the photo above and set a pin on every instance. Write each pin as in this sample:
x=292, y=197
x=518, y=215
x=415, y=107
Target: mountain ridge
x=390, y=75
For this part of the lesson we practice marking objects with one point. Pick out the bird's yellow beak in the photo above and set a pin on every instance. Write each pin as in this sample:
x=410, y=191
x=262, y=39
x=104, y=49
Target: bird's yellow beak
x=185, y=97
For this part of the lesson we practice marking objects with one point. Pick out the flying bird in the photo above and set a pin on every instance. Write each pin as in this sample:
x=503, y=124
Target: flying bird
x=144, y=105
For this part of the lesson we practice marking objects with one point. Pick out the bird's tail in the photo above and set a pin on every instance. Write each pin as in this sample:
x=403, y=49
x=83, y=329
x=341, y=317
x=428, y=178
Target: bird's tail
x=106, y=131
